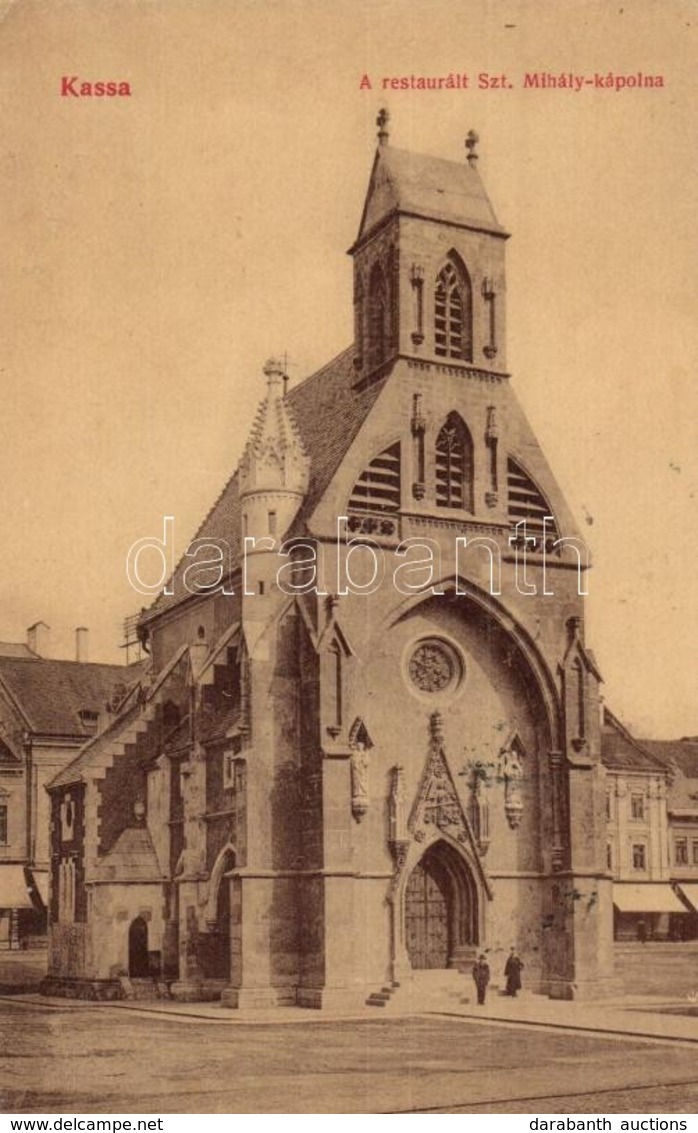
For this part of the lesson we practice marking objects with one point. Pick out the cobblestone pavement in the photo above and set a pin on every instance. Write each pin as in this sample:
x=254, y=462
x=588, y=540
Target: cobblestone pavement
x=97, y=1059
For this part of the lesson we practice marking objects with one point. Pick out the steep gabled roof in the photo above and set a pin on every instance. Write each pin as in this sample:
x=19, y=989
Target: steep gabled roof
x=329, y=412
x=620, y=751
x=131, y=858
x=93, y=749
x=431, y=187
x=51, y=694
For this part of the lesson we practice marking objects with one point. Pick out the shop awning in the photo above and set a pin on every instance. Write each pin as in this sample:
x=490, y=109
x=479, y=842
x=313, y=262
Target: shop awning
x=13, y=888
x=690, y=892
x=651, y=898
x=40, y=878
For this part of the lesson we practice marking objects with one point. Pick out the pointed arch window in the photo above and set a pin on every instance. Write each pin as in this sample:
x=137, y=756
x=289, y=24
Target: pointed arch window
x=453, y=312
x=454, y=465
x=379, y=318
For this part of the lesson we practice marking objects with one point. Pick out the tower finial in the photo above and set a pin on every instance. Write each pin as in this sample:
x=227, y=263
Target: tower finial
x=274, y=372
x=382, y=124
x=471, y=141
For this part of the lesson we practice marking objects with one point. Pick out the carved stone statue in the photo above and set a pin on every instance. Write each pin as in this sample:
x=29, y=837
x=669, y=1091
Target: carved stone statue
x=359, y=781
x=512, y=773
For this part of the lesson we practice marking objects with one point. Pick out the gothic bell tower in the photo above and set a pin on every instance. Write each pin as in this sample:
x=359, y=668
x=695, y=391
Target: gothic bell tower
x=429, y=278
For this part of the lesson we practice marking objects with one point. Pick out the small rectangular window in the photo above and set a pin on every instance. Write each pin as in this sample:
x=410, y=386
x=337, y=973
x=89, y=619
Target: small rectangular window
x=3, y=825
x=609, y=856
x=639, y=859
x=681, y=851
x=608, y=804
x=271, y=522
x=637, y=806
x=695, y=853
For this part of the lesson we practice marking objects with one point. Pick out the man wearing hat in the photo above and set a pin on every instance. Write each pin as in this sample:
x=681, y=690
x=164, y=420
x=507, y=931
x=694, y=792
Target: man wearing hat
x=481, y=975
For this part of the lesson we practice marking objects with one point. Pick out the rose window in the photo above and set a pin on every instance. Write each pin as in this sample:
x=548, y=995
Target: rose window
x=434, y=667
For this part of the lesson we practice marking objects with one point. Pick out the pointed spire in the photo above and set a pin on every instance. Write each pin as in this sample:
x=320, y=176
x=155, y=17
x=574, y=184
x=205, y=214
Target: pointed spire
x=274, y=457
x=382, y=124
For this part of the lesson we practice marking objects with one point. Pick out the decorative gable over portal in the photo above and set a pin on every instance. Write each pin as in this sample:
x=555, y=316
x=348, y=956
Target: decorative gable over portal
x=437, y=808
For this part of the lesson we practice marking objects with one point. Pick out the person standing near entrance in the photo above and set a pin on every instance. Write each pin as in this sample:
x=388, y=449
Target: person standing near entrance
x=512, y=971
x=481, y=975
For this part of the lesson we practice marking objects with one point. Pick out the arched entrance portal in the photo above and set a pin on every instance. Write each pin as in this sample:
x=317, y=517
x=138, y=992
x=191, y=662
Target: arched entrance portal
x=440, y=909
x=138, y=965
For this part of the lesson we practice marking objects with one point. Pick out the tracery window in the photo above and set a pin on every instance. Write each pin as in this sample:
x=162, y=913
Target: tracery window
x=454, y=465
x=453, y=315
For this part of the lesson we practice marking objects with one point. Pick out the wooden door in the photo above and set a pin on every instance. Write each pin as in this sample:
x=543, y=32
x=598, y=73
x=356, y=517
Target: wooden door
x=426, y=919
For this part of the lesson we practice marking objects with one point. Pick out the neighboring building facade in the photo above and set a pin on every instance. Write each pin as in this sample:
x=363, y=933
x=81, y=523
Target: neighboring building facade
x=680, y=757
x=339, y=776
x=651, y=830
x=48, y=708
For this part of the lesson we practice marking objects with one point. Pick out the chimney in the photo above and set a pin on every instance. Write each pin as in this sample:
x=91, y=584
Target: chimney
x=82, y=642
x=38, y=638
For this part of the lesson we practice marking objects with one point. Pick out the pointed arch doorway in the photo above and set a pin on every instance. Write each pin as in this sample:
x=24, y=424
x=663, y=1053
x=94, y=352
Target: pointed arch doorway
x=441, y=922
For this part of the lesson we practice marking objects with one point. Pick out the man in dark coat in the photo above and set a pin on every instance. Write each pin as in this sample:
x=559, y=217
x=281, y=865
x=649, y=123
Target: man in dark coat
x=512, y=971
x=481, y=975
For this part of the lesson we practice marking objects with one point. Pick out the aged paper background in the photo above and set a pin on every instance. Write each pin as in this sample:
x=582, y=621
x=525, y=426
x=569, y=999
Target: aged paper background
x=157, y=249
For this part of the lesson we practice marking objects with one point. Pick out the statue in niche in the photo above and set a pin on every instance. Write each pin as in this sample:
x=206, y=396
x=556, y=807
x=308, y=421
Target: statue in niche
x=359, y=782
x=360, y=743
x=479, y=808
x=512, y=774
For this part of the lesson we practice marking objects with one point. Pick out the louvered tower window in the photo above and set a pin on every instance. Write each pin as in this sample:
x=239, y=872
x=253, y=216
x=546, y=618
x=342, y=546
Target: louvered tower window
x=525, y=501
x=378, y=486
x=453, y=312
x=454, y=465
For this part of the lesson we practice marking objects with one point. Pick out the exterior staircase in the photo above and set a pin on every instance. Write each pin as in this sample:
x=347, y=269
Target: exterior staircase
x=436, y=989
x=382, y=998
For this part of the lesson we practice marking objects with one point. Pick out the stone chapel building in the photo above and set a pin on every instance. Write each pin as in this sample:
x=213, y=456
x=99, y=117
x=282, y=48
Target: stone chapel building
x=376, y=753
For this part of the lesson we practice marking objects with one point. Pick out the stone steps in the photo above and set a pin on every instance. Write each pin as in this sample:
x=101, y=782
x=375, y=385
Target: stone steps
x=428, y=989
x=382, y=998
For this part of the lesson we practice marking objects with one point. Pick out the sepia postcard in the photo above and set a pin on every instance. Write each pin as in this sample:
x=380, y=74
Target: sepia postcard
x=348, y=610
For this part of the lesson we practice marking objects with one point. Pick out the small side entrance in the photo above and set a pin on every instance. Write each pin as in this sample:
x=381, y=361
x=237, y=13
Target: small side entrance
x=138, y=965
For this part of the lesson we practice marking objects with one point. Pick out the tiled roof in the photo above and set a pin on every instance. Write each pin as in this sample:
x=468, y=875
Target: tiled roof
x=15, y=649
x=679, y=753
x=99, y=745
x=622, y=752
x=329, y=413
x=50, y=694
x=131, y=858
x=431, y=187
x=217, y=725
x=680, y=756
